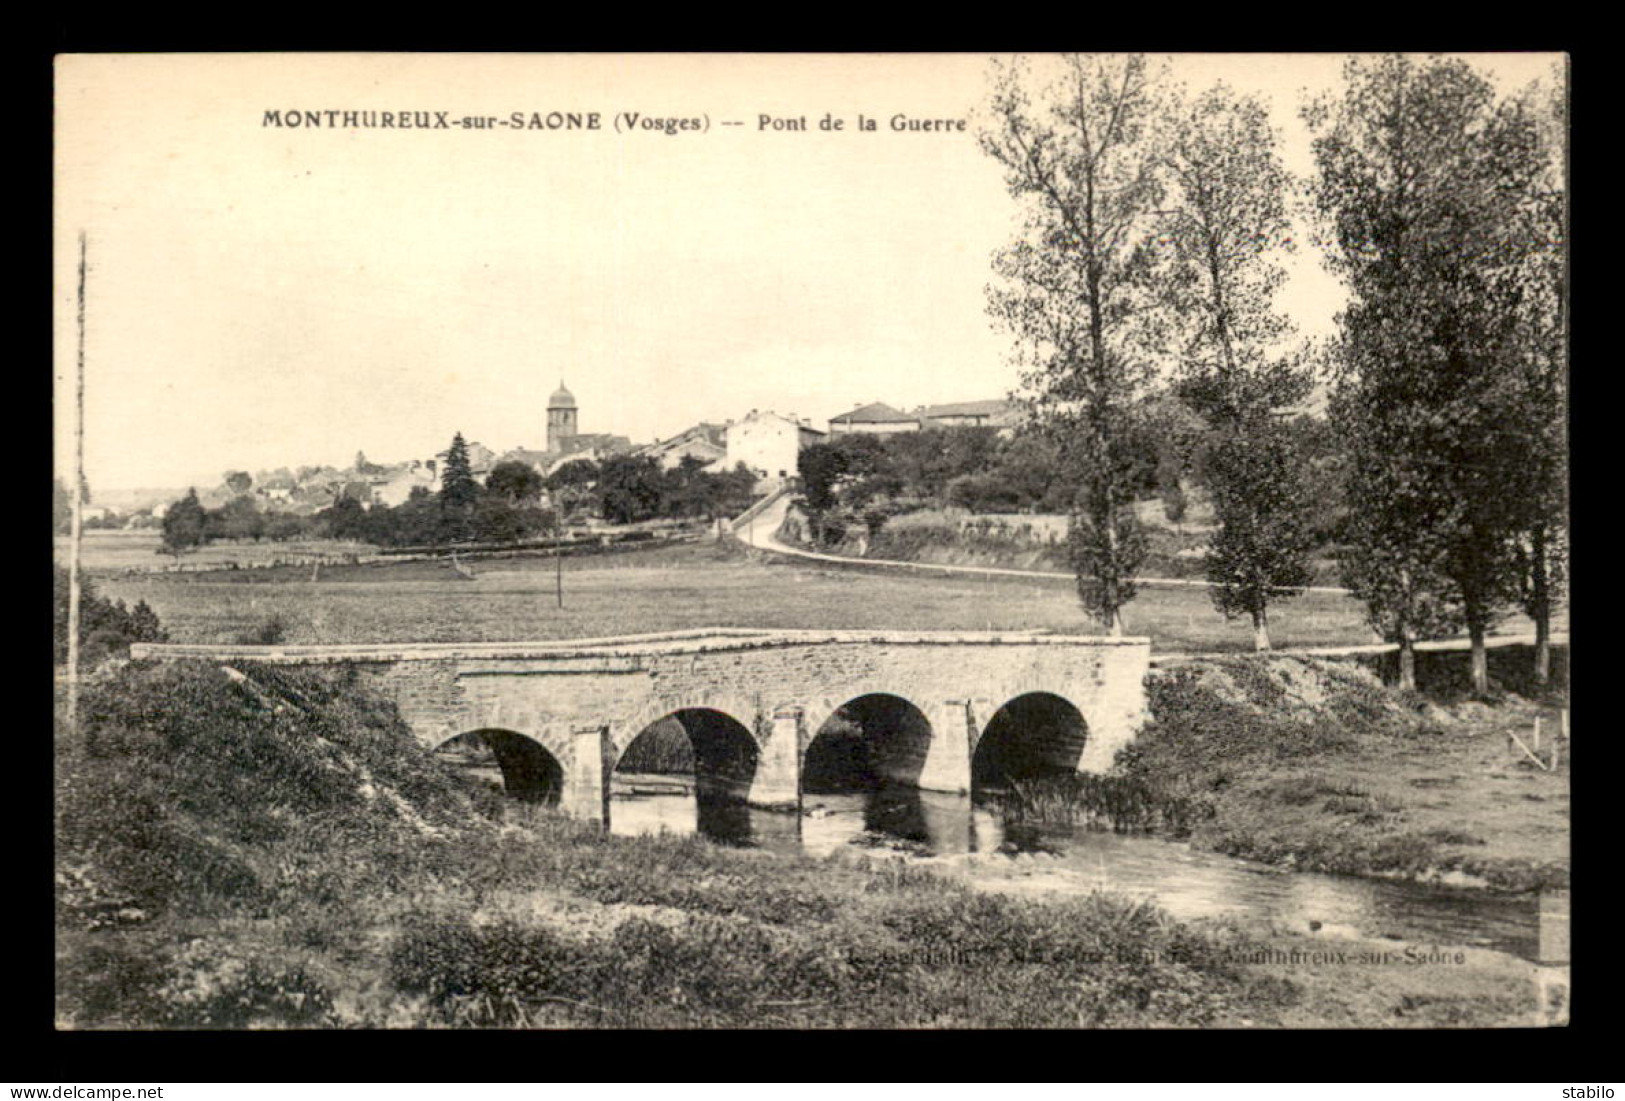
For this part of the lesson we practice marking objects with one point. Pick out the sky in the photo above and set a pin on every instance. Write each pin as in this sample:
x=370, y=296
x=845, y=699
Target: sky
x=261, y=296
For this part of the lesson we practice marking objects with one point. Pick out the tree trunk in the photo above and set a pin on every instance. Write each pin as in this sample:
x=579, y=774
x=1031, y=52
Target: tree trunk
x=1407, y=661
x=1540, y=603
x=1481, y=668
x=1261, y=631
x=1543, y=650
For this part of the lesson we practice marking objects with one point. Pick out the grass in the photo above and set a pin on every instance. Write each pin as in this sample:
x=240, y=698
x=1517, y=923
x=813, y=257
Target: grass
x=671, y=588
x=1317, y=766
x=116, y=551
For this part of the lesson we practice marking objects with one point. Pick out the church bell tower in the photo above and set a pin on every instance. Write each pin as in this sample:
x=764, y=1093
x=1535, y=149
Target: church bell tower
x=561, y=418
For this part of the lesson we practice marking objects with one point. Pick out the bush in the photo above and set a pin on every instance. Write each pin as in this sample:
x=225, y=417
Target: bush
x=106, y=628
x=210, y=985
x=271, y=631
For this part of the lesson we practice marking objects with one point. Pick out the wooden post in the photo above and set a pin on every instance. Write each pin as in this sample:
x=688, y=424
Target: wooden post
x=1537, y=734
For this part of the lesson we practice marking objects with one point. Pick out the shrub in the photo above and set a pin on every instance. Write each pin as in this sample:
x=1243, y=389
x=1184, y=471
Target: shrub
x=271, y=631
x=211, y=985
x=106, y=627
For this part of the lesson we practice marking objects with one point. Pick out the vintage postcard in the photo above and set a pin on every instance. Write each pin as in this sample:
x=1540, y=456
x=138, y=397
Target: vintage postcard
x=811, y=541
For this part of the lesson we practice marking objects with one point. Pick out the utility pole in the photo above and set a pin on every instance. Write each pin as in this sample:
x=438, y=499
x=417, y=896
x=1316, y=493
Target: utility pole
x=78, y=508
x=558, y=559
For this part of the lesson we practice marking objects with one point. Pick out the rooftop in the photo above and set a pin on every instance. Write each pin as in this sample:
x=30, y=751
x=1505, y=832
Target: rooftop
x=874, y=413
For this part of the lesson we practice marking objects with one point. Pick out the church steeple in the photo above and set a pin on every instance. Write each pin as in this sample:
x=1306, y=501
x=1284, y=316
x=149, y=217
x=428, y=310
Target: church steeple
x=561, y=418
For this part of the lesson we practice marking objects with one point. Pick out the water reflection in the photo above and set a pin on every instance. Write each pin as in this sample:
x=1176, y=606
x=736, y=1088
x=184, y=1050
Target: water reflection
x=1023, y=859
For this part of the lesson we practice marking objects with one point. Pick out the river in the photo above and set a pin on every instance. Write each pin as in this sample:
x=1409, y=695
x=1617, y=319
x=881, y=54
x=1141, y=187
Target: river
x=971, y=840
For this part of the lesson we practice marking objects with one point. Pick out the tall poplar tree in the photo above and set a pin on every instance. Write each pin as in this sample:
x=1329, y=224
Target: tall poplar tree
x=1420, y=175
x=1226, y=225
x=1076, y=287
x=1540, y=242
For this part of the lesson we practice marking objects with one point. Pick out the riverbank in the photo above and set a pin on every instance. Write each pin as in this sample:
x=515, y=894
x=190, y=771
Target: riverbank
x=1314, y=764
x=277, y=852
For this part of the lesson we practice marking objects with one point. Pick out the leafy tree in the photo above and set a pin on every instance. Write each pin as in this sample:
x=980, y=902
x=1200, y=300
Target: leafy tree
x=870, y=471
x=1260, y=551
x=239, y=481
x=1227, y=223
x=1423, y=177
x=185, y=525
x=416, y=519
x=282, y=526
x=514, y=482
x=497, y=521
x=571, y=486
x=238, y=518
x=345, y=518
x=1029, y=465
x=733, y=491
x=629, y=488
x=1079, y=156
x=458, y=493
x=820, y=466
x=1539, y=402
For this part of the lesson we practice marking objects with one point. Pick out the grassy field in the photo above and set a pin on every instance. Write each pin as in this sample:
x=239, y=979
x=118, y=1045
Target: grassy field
x=703, y=585
x=108, y=552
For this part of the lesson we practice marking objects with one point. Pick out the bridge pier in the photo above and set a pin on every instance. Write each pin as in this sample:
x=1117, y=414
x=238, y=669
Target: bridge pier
x=947, y=761
x=777, y=783
x=586, y=784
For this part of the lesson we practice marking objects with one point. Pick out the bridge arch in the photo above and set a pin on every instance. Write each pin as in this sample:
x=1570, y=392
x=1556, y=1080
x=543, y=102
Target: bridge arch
x=712, y=747
x=529, y=770
x=873, y=740
x=1033, y=735
x=627, y=727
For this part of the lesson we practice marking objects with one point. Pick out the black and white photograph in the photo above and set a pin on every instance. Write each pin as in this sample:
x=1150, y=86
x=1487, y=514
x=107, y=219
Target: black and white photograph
x=811, y=541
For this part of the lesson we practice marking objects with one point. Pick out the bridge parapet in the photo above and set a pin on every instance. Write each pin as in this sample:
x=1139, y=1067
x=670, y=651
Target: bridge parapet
x=668, y=642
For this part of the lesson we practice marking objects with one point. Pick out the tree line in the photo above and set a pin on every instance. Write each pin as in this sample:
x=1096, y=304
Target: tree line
x=1155, y=226
x=866, y=479
x=506, y=508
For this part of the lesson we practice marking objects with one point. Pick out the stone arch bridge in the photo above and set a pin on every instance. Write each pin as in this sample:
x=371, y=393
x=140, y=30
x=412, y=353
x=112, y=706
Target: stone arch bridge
x=772, y=691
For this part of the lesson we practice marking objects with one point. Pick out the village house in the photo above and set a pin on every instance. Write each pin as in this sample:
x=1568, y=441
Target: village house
x=876, y=418
x=395, y=486
x=880, y=419
x=770, y=445
x=997, y=413
x=705, y=441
